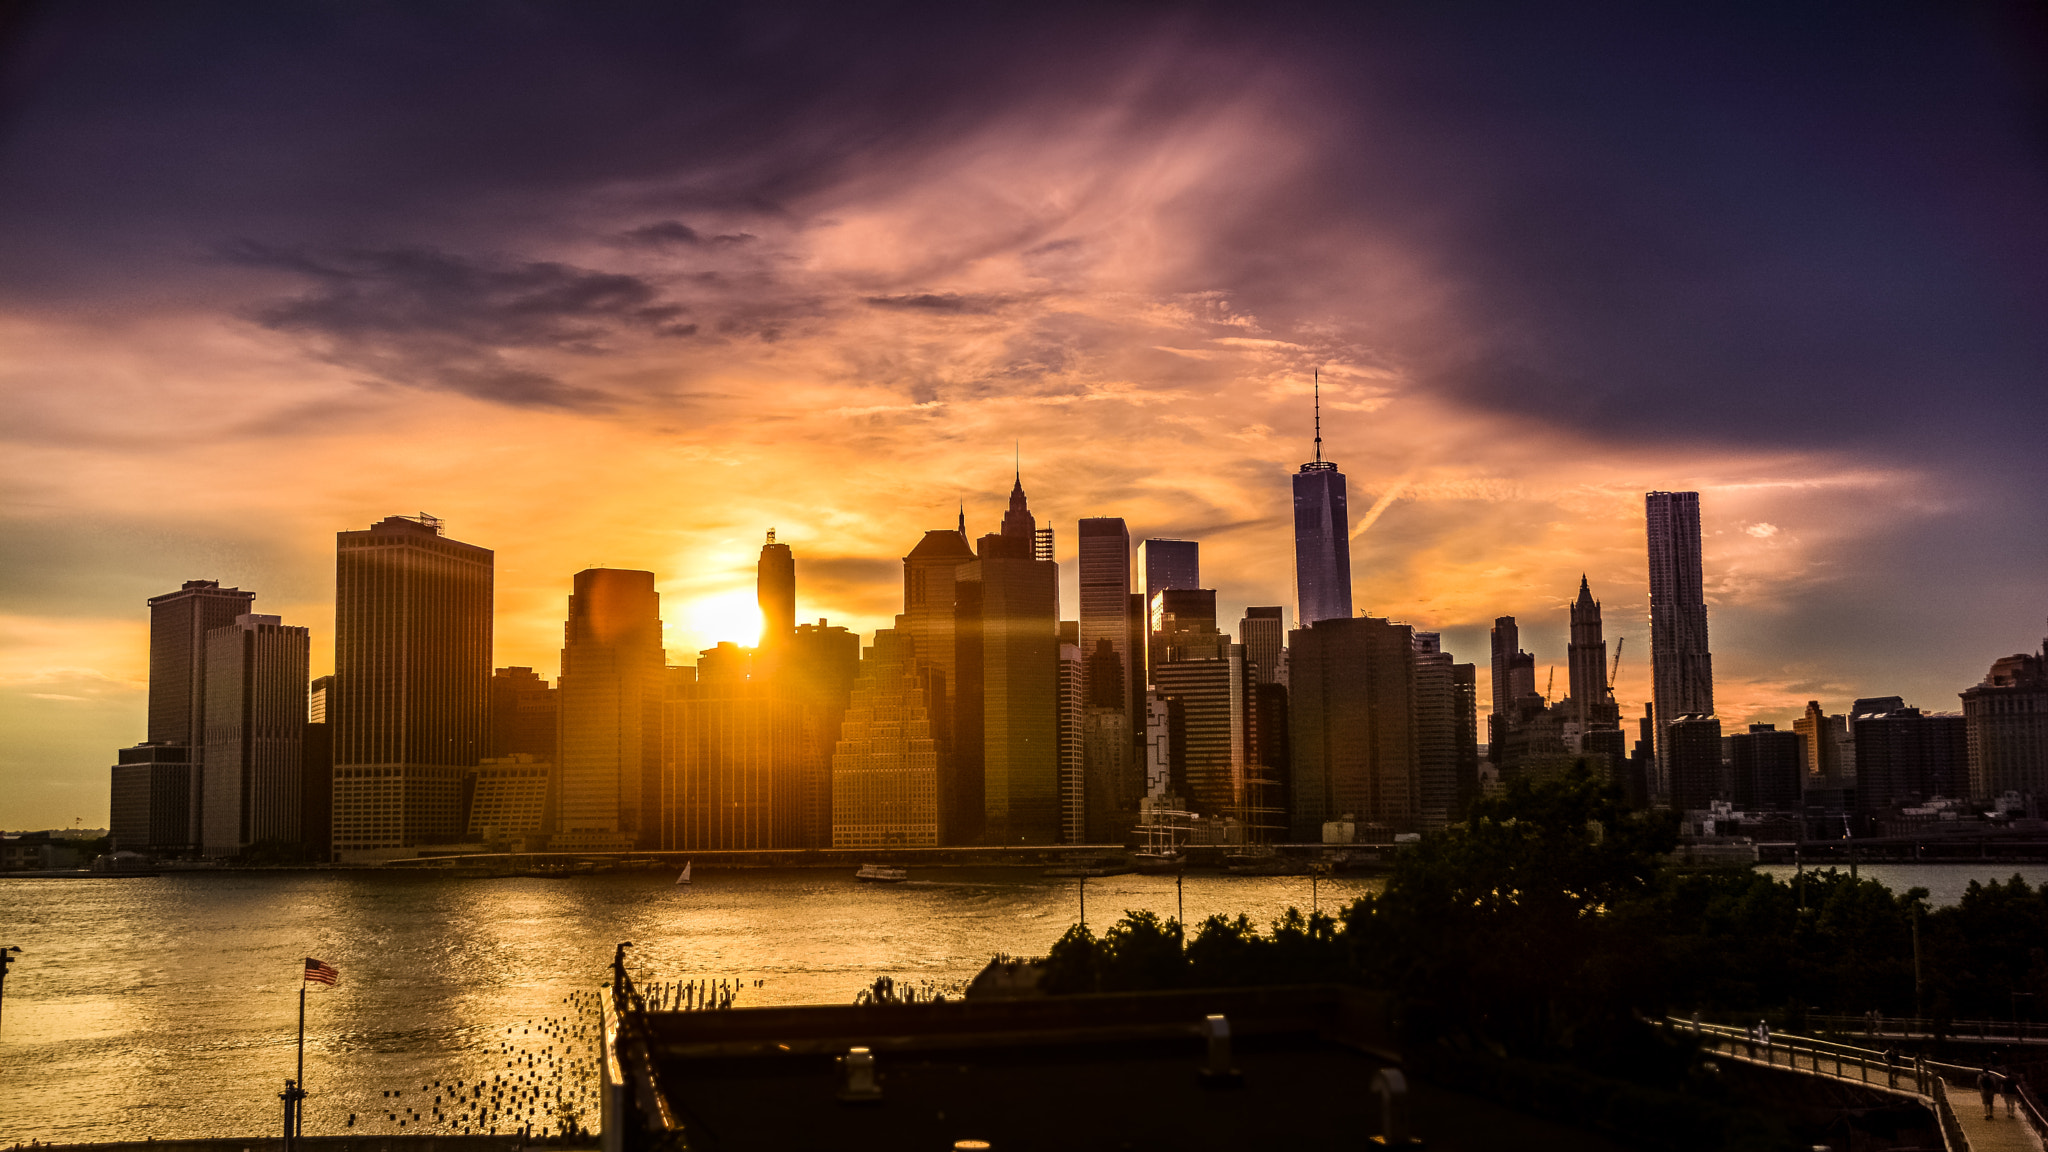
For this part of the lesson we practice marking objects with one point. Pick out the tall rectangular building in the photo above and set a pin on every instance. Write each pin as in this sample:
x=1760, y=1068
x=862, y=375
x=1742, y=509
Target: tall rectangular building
x=255, y=735
x=1764, y=769
x=1013, y=690
x=178, y=624
x=410, y=708
x=932, y=617
x=732, y=758
x=1210, y=701
x=2006, y=726
x=1446, y=732
x=1905, y=756
x=1105, y=572
x=1263, y=632
x=1351, y=705
x=1164, y=564
x=885, y=768
x=1322, y=537
x=1073, y=700
x=1681, y=668
x=608, y=771
x=1694, y=743
x=524, y=713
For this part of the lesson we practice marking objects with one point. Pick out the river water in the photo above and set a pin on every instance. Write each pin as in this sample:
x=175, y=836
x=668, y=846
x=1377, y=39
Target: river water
x=167, y=1006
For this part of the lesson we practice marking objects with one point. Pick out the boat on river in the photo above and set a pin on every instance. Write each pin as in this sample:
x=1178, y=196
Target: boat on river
x=882, y=874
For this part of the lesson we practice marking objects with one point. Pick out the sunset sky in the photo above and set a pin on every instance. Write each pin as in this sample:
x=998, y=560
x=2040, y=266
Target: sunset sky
x=626, y=285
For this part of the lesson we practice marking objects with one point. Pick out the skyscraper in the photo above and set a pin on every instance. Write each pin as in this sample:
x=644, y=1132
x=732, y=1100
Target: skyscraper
x=1592, y=700
x=775, y=589
x=1681, y=670
x=1351, y=704
x=1446, y=732
x=1105, y=571
x=1263, y=632
x=524, y=713
x=732, y=761
x=410, y=709
x=817, y=674
x=178, y=624
x=1210, y=700
x=1322, y=537
x=1514, y=681
x=255, y=734
x=1166, y=564
x=1007, y=617
x=885, y=770
x=2006, y=720
x=930, y=620
x=1072, y=708
x=608, y=771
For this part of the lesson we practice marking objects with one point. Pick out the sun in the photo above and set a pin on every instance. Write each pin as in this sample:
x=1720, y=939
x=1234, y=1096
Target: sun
x=734, y=616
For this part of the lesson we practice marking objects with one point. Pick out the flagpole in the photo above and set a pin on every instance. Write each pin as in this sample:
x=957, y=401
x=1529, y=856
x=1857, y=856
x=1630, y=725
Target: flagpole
x=299, y=1114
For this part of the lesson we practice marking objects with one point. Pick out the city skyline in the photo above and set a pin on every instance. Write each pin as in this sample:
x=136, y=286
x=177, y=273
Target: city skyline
x=901, y=248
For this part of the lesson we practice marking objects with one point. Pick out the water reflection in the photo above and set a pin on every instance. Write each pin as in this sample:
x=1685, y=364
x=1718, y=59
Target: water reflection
x=167, y=1007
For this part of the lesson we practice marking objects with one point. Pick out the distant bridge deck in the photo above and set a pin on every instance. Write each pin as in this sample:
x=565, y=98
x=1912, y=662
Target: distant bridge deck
x=1963, y=1124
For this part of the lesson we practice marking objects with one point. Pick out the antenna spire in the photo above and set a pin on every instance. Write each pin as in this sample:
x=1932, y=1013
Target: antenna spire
x=1319, y=414
x=963, y=519
x=1017, y=466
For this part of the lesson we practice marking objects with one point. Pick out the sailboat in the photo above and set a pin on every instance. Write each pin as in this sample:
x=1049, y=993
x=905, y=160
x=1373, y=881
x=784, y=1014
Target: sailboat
x=683, y=881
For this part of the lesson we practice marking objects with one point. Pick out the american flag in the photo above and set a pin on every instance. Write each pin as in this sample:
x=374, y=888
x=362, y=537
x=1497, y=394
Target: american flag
x=320, y=973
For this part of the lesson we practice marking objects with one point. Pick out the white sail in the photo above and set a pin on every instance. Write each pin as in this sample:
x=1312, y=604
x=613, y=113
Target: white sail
x=683, y=881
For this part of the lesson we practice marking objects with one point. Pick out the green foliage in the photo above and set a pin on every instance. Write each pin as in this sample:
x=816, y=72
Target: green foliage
x=1549, y=922
x=1511, y=924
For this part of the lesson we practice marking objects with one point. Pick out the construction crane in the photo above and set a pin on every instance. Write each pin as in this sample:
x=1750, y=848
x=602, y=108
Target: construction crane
x=1616, y=673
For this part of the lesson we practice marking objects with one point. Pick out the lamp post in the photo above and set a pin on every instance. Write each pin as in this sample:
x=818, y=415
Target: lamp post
x=5, y=960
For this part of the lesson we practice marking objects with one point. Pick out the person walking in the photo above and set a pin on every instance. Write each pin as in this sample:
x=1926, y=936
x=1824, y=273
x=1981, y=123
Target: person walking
x=2010, y=1087
x=1987, y=1087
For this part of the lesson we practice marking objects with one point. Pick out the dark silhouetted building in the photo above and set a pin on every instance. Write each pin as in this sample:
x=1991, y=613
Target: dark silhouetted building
x=1166, y=564
x=524, y=715
x=775, y=590
x=1072, y=708
x=885, y=770
x=931, y=614
x=1446, y=732
x=1826, y=753
x=1181, y=623
x=1681, y=668
x=2006, y=724
x=1322, y=538
x=255, y=735
x=1694, y=744
x=410, y=709
x=151, y=808
x=1209, y=696
x=732, y=761
x=1514, y=683
x=816, y=672
x=1593, y=707
x=1763, y=766
x=178, y=624
x=1263, y=632
x=1007, y=632
x=608, y=767
x=1905, y=756
x=316, y=791
x=1351, y=707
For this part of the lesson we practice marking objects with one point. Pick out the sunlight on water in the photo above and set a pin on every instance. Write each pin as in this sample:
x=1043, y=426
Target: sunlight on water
x=166, y=1007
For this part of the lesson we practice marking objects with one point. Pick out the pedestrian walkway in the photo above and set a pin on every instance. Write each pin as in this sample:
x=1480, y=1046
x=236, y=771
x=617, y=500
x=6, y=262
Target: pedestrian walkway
x=2001, y=1134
